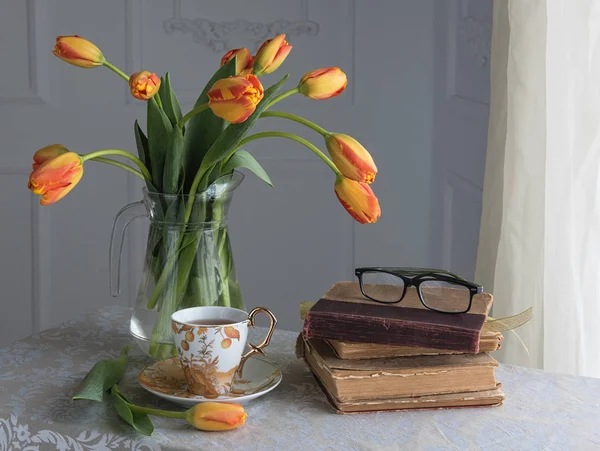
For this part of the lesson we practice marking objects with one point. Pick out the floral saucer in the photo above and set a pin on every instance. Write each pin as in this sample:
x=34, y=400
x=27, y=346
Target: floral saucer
x=165, y=379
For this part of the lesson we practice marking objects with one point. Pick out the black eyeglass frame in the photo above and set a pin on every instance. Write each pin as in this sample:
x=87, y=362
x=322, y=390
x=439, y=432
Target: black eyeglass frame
x=415, y=277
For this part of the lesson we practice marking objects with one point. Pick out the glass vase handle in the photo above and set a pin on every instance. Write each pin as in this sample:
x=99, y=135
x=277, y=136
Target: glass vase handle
x=124, y=217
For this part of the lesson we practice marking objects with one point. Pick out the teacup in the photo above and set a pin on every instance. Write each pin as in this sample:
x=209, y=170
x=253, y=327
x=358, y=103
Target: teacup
x=211, y=343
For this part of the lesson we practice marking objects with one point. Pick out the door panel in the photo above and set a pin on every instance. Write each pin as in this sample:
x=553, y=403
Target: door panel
x=463, y=34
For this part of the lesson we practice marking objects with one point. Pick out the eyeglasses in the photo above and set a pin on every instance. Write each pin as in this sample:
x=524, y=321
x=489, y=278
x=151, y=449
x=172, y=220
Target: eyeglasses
x=438, y=290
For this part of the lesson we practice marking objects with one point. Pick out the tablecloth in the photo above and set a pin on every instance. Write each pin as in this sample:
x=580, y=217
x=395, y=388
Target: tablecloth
x=38, y=376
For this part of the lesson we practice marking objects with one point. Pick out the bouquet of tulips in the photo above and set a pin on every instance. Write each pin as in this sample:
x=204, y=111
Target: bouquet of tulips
x=181, y=156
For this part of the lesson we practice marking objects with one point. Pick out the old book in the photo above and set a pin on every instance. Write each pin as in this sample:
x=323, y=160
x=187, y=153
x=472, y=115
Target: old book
x=344, y=314
x=489, y=341
x=486, y=398
x=400, y=377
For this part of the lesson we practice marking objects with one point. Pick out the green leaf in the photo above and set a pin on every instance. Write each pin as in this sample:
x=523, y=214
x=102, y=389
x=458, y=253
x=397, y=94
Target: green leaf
x=159, y=131
x=243, y=159
x=202, y=130
x=141, y=141
x=173, y=171
x=169, y=100
x=103, y=375
x=142, y=146
x=139, y=421
x=229, y=139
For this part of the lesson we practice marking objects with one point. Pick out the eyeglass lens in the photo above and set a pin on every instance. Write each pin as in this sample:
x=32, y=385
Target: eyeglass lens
x=445, y=296
x=382, y=286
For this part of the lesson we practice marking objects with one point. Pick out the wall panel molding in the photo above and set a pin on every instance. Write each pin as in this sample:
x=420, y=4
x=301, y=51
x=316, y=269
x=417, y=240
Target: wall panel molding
x=40, y=261
x=468, y=40
x=216, y=35
x=38, y=48
x=460, y=196
x=18, y=275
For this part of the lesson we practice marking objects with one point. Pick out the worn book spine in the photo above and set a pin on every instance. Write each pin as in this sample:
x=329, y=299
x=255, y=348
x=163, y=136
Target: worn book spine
x=341, y=321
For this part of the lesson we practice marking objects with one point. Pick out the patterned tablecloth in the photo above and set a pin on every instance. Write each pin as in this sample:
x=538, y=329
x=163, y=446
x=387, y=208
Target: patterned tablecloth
x=38, y=376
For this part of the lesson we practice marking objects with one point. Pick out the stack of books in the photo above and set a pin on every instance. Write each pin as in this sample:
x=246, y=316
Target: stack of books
x=368, y=356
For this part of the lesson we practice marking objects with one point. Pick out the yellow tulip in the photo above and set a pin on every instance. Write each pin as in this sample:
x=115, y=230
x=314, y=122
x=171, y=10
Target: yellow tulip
x=55, y=177
x=324, y=83
x=216, y=416
x=351, y=158
x=271, y=55
x=144, y=85
x=78, y=51
x=235, y=98
x=358, y=199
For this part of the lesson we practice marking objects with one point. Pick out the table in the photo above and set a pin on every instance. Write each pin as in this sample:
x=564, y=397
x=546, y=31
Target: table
x=38, y=376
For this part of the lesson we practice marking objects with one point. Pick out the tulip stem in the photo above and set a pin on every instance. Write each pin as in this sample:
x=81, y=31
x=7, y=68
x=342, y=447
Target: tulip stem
x=191, y=114
x=295, y=118
x=119, y=165
x=117, y=71
x=157, y=412
x=121, y=153
x=283, y=96
x=293, y=137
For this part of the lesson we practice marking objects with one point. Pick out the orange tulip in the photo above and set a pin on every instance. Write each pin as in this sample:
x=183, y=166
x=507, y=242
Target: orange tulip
x=271, y=54
x=54, y=178
x=235, y=98
x=78, y=51
x=358, y=199
x=216, y=416
x=324, y=83
x=144, y=85
x=351, y=158
x=243, y=62
x=47, y=153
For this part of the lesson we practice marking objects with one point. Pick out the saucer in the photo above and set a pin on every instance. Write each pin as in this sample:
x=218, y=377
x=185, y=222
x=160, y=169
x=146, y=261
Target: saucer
x=165, y=379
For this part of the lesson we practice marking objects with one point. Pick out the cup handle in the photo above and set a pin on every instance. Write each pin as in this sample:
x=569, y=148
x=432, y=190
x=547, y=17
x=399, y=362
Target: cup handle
x=258, y=349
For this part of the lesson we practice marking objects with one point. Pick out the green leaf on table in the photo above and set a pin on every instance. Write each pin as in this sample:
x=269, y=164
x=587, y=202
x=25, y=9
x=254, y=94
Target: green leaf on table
x=159, y=132
x=230, y=138
x=139, y=421
x=202, y=130
x=169, y=100
x=243, y=159
x=173, y=171
x=103, y=375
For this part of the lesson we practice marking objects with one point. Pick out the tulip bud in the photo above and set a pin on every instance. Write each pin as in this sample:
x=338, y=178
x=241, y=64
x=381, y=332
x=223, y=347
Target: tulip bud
x=235, y=98
x=55, y=177
x=351, y=158
x=358, y=199
x=78, y=51
x=47, y=153
x=324, y=83
x=216, y=416
x=271, y=54
x=243, y=62
x=144, y=85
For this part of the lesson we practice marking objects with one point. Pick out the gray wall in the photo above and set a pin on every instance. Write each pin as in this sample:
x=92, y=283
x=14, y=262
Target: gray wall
x=290, y=242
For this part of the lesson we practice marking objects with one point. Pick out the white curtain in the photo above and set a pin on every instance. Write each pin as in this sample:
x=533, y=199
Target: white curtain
x=540, y=230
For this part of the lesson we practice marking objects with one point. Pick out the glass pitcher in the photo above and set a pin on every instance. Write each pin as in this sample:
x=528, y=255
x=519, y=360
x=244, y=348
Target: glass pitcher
x=188, y=260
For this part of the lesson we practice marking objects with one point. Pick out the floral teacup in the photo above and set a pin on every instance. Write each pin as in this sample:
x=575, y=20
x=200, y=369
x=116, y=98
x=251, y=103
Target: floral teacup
x=211, y=342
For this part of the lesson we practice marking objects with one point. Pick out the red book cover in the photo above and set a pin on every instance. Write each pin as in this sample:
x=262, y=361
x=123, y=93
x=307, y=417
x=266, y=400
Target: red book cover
x=344, y=314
